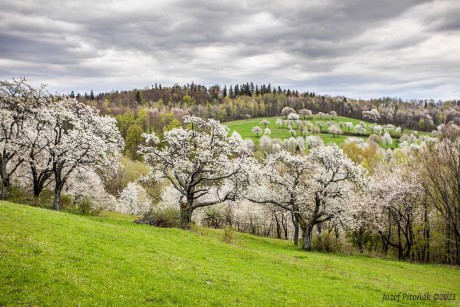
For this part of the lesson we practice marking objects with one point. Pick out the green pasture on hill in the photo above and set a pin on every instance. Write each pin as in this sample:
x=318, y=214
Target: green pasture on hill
x=244, y=128
x=50, y=258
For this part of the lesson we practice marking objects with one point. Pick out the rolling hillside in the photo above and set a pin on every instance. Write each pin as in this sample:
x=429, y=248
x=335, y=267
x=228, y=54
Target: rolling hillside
x=244, y=127
x=56, y=258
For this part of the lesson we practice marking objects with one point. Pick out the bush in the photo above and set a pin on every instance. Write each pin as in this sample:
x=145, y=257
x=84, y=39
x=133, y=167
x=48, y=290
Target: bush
x=83, y=206
x=86, y=207
x=166, y=218
x=213, y=218
x=327, y=242
x=229, y=234
x=66, y=201
x=21, y=196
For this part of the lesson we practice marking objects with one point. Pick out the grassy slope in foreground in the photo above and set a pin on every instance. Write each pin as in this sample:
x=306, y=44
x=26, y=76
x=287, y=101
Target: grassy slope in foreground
x=55, y=258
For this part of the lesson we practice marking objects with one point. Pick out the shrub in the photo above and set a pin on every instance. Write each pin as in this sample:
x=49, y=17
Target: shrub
x=82, y=206
x=86, y=207
x=161, y=217
x=327, y=242
x=229, y=234
x=213, y=218
x=66, y=201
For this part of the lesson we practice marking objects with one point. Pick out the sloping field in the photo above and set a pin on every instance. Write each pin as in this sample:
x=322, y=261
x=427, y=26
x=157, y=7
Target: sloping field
x=60, y=259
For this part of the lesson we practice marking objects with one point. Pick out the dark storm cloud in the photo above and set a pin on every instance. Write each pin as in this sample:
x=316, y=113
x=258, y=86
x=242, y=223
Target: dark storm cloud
x=357, y=48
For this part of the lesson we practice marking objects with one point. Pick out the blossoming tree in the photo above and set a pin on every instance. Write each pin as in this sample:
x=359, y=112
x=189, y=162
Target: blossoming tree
x=202, y=163
x=19, y=104
x=313, y=188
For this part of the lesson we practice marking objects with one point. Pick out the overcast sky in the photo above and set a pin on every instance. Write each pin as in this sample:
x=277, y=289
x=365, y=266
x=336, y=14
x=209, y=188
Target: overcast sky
x=364, y=48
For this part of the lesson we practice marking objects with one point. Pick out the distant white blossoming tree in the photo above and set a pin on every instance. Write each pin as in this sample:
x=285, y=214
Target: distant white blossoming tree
x=279, y=122
x=372, y=115
x=133, y=200
x=386, y=139
x=335, y=130
x=264, y=123
x=305, y=113
x=286, y=111
x=257, y=131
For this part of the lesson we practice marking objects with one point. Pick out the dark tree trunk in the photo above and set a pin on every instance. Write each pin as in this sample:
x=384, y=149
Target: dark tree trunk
x=278, y=227
x=6, y=174
x=5, y=188
x=39, y=180
x=400, y=249
x=296, y=229
x=37, y=192
x=320, y=237
x=5, y=178
x=358, y=238
x=57, y=197
x=284, y=222
x=296, y=234
x=185, y=216
x=306, y=237
x=426, y=235
x=58, y=185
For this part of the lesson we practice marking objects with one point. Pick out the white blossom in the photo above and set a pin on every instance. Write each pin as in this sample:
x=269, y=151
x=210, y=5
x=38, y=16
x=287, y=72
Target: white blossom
x=334, y=130
x=313, y=141
x=133, y=200
x=386, y=139
x=372, y=115
x=257, y=130
x=279, y=122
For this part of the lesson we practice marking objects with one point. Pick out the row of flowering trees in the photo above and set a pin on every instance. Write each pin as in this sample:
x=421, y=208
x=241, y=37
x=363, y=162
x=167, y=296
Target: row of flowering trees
x=398, y=201
x=44, y=141
x=208, y=167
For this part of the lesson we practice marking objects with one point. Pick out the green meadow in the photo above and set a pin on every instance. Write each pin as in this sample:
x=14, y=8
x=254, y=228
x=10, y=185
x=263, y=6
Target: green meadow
x=244, y=128
x=50, y=258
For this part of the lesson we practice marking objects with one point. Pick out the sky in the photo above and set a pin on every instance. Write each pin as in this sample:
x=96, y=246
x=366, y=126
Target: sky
x=355, y=48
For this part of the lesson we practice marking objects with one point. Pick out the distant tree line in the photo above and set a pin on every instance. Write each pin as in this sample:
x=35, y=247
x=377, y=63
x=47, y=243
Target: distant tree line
x=240, y=101
x=158, y=108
